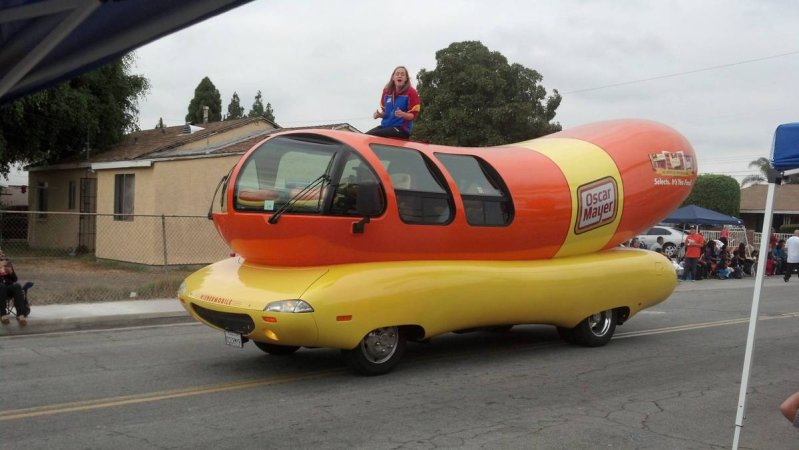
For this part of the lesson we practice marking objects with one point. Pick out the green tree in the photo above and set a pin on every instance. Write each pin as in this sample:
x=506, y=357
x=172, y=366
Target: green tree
x=763, y=164
x=205, y=94
x=160, y=124
x=269, y=113
x=92, y=111
x=234, y=109
x=720, y=193
x=475, y=98
x=258, y=109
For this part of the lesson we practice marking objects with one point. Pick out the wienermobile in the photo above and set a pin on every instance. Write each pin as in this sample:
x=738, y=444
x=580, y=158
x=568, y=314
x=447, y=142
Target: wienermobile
x=349, y=241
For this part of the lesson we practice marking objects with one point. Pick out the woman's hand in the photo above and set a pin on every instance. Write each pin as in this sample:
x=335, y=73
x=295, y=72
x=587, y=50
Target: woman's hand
x=378, y=114
x=403, y=115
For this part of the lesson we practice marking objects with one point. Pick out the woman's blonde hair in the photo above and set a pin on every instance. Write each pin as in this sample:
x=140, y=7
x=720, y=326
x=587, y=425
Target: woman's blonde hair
x=390, y=85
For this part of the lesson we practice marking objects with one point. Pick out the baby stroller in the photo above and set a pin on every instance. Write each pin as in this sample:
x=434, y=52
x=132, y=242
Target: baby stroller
x=11, y=307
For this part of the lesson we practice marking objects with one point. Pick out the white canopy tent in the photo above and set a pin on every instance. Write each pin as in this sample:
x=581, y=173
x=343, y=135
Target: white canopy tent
x=784, y=161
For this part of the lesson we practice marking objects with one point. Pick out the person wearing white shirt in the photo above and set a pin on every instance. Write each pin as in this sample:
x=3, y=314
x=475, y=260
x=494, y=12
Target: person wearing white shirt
x=792, y=251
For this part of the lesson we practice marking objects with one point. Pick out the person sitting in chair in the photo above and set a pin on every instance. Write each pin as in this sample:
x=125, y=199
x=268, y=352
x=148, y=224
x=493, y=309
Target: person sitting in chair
x=9, y=288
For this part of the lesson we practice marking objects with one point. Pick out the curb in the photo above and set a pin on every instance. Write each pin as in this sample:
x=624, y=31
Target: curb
x=50, y=325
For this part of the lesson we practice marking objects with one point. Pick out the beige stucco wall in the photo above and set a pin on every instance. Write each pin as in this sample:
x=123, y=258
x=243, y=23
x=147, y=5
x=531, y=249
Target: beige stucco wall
x=59, y=229
x=180, y=188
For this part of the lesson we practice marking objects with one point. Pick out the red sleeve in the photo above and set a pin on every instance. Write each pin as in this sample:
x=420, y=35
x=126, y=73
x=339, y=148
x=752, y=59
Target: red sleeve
x=414, y=102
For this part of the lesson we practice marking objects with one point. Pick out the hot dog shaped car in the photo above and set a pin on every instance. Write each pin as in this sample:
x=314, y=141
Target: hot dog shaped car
x=361, y=243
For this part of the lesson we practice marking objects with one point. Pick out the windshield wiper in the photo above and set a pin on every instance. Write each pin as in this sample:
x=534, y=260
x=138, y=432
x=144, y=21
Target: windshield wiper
x=302, y=195
x=221, y=200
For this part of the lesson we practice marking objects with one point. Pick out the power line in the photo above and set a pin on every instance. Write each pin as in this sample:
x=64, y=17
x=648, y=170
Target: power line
x=679, y=74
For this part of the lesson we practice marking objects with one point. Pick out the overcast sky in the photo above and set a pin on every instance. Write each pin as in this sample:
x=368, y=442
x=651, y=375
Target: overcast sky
x=723, y=73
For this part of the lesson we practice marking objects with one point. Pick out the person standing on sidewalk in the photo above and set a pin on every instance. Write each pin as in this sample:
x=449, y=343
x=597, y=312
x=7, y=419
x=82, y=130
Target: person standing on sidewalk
x=792, y=252
x=694, y=244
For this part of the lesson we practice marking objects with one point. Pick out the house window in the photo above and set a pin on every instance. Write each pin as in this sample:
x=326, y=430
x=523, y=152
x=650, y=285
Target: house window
x=422, y=194
x=123, y=196
x=42, y=199
x=71, y=196
x=485, y=197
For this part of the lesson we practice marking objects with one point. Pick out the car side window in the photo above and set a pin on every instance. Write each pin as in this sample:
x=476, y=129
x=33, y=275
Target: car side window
x=358, y=192
x=422, y=195
x=484, y=194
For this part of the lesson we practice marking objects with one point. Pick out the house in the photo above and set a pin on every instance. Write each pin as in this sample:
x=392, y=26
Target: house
x=14, y=197
x=146, y=199
x=786, y=205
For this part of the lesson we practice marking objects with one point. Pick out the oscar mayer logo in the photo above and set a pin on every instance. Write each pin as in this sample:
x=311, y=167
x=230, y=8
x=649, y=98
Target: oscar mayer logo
x=597, y=204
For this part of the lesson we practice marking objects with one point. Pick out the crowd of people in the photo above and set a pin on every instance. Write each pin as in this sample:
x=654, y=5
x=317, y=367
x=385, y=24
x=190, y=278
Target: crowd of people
x=717, y=258
x=700, y=259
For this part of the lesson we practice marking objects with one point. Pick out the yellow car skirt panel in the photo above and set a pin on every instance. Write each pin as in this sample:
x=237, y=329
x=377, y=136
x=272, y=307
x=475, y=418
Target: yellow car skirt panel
x=349, y=300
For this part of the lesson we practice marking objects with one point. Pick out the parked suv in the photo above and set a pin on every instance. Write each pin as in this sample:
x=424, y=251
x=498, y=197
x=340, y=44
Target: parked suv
x=672, y=238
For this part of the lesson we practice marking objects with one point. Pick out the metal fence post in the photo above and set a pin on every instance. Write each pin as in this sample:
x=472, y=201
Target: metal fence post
x=163, y=234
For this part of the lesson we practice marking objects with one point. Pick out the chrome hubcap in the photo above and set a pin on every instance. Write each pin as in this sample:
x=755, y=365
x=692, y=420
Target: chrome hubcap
x=600, y=323
x=379, y=345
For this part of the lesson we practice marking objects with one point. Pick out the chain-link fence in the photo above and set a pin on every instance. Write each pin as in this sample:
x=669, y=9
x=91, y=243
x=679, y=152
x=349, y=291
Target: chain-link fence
x=74, y=257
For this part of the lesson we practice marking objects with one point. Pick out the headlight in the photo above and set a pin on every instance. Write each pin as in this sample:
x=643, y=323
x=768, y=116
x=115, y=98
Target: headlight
x=182, y=289
x=289, y=306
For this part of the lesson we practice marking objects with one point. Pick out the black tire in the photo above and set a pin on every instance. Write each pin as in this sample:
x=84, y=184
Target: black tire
x=567, y=334
x=595, y=330
x=378, y=352
x=277, y=350
x=500, y=328
x=669, y=249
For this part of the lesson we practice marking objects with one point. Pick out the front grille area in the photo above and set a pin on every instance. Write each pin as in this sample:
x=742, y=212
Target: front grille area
x=239, y=323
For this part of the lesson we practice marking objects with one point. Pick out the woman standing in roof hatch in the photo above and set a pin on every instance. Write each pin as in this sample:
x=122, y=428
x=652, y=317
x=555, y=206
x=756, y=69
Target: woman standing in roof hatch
x=399, y=107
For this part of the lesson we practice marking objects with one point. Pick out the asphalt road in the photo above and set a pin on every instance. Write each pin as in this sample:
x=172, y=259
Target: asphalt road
x=669, y=380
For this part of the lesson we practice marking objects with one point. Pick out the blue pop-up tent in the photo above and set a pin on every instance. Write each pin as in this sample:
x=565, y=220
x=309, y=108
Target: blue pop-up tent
x=784, y=160
x=693, y=214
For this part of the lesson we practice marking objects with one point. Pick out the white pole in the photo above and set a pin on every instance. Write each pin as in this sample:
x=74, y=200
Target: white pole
x=750, y=338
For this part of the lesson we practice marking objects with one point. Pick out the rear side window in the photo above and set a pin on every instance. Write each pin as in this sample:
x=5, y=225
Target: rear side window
x=657, y=232
x=484, y=194
x=422, y=195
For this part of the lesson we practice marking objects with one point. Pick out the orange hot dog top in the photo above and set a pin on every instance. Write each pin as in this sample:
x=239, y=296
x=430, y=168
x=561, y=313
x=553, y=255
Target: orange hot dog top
x=573, y=192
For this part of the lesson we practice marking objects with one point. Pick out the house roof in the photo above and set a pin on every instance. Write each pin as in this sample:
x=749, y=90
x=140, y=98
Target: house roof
x=142, y=143
x=171, y=142
x=786, y=199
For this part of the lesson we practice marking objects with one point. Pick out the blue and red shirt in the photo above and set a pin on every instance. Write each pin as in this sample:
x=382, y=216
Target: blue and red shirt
x=407, y=101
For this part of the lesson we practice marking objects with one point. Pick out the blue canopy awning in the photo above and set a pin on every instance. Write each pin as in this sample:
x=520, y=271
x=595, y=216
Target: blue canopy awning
x=44, y=42
x=785, y=152
x=693, y=214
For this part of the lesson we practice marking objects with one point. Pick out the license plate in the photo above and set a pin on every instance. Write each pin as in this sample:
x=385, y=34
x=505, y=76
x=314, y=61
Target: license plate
x=234, y=339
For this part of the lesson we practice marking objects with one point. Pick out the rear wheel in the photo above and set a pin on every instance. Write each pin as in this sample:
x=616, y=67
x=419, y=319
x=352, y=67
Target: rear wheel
x=378, y=352
x=277, y=350
x=669, y=249
x=594, y=331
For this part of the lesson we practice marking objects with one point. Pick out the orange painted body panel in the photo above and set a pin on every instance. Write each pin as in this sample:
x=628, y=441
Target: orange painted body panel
x=551, y=191
x=647, y=194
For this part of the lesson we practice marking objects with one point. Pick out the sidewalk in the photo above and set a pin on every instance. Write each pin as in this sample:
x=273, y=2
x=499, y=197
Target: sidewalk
x=93, y=316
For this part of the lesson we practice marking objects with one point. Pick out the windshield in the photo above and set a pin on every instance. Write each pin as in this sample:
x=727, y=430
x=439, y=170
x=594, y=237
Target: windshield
x=308, y=174
x=283, y=167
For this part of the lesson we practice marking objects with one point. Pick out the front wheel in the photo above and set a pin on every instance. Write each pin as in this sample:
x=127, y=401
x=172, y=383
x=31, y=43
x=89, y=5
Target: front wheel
x=378, y=352
x=594, y=331
x=277, y=350
x=669, y=249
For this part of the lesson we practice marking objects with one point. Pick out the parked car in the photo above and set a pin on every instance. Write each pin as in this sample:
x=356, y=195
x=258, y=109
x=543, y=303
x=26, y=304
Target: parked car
x=672, y=239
